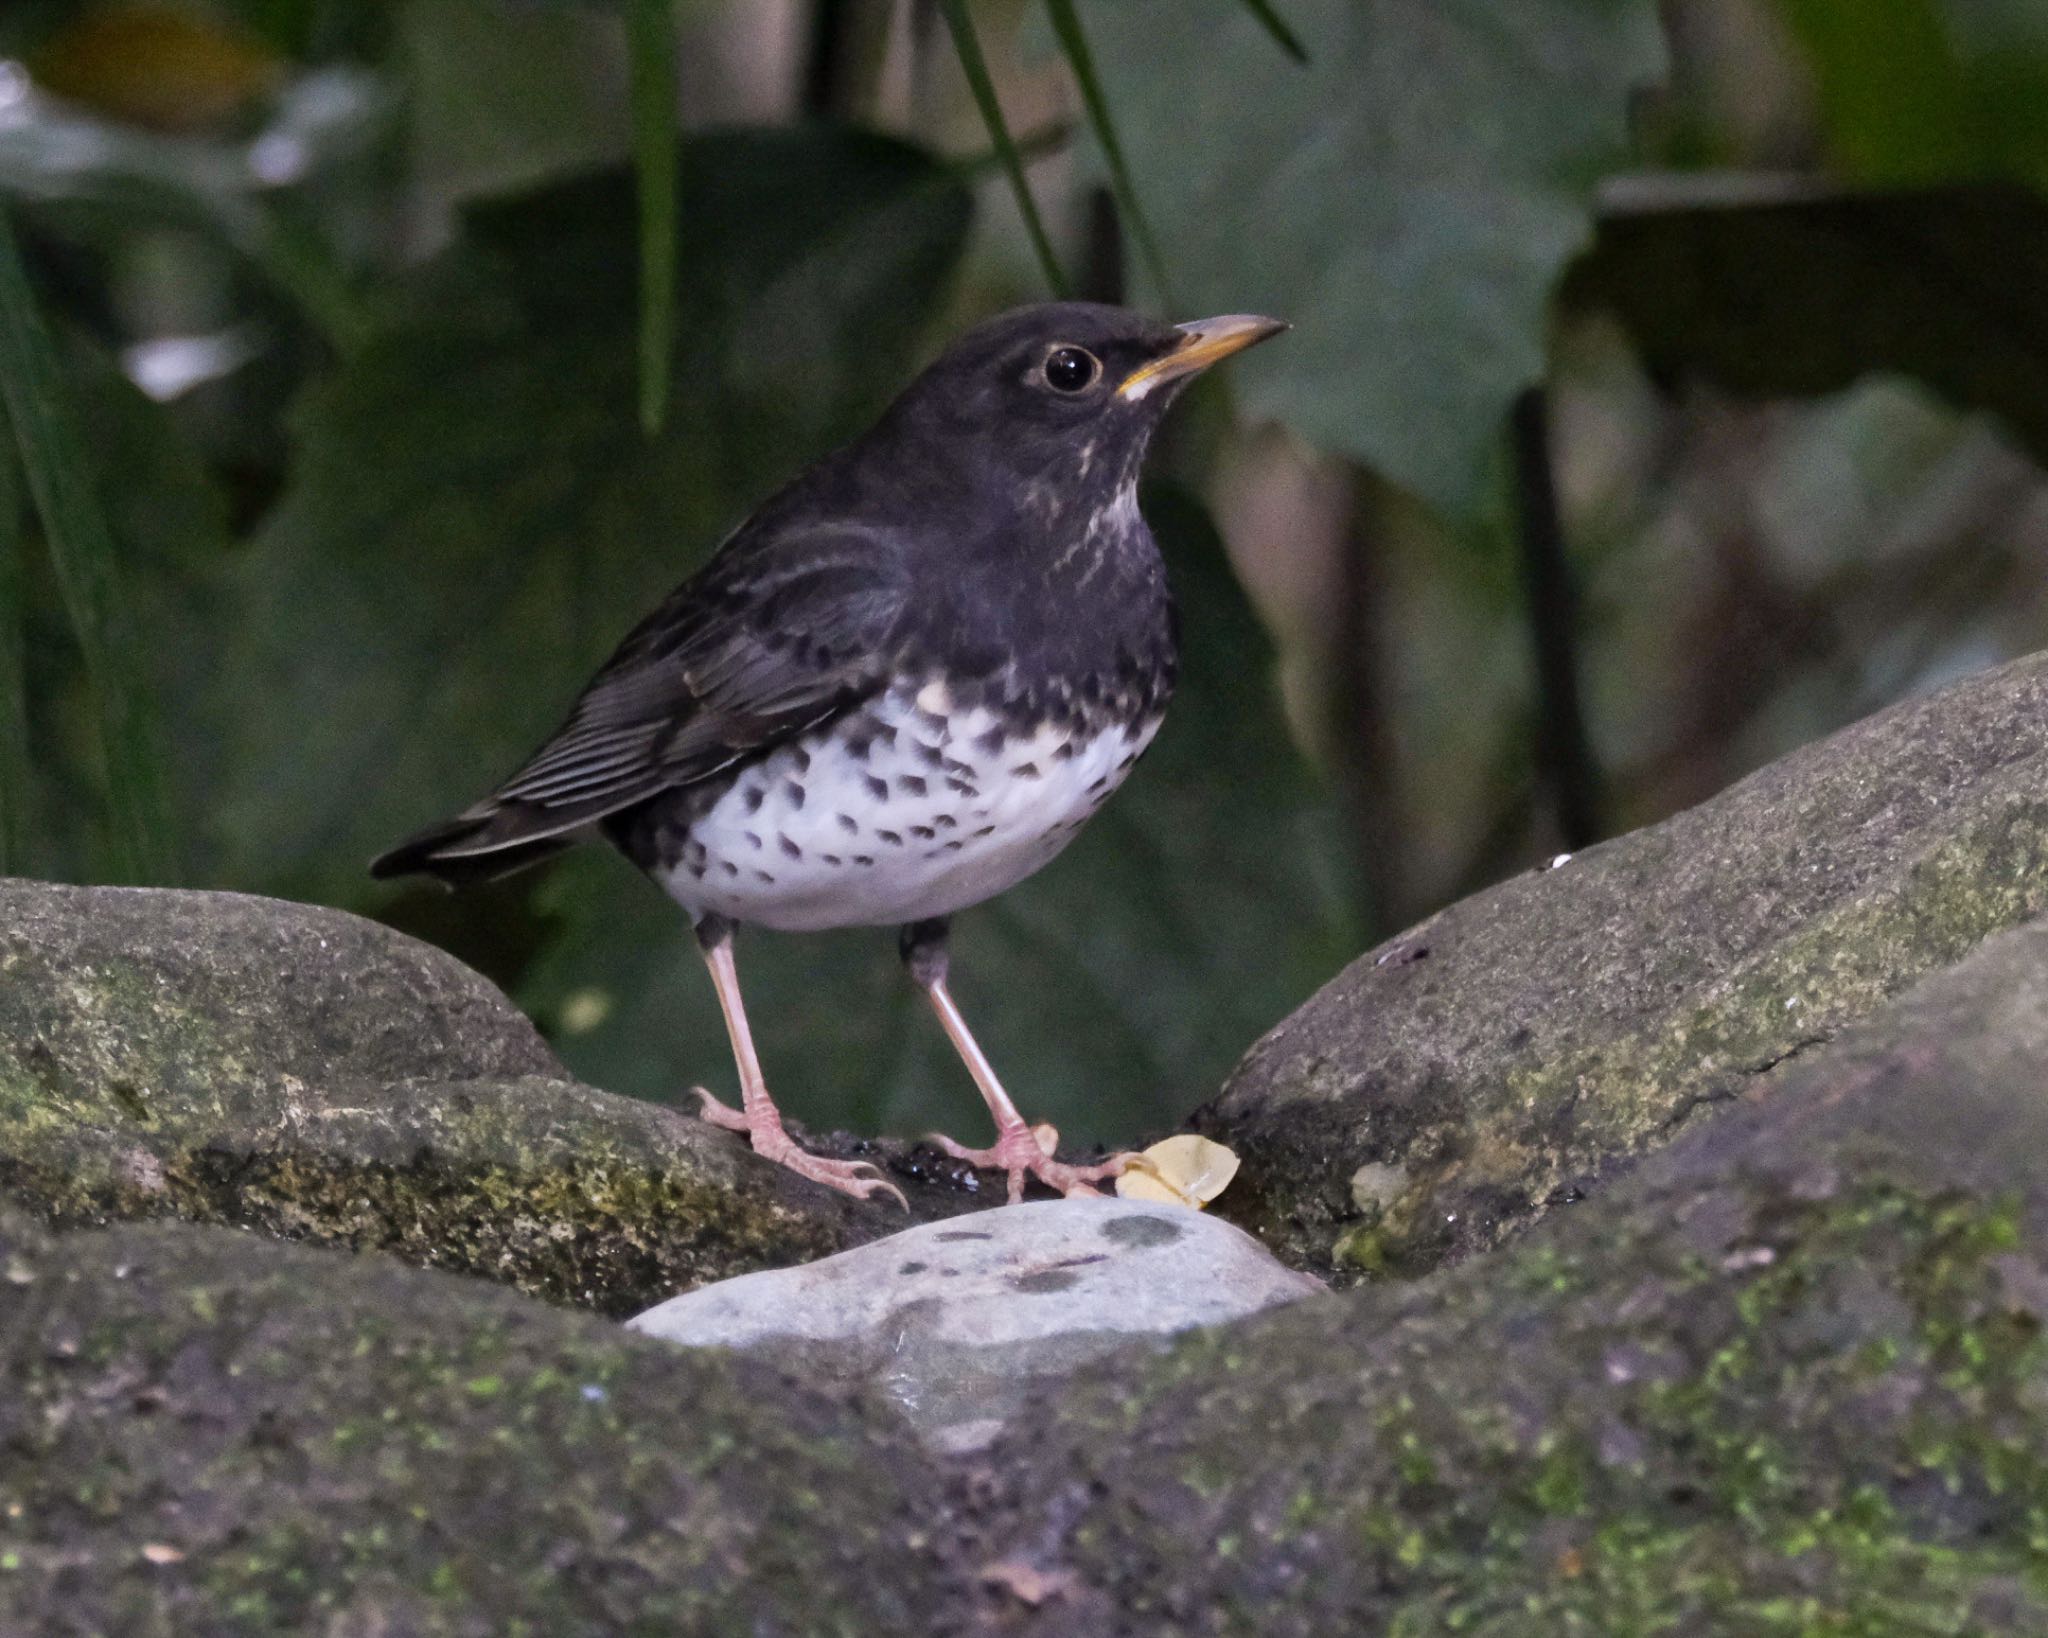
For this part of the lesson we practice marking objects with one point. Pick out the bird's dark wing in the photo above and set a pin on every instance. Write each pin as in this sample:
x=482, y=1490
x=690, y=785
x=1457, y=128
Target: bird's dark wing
x=770, y=639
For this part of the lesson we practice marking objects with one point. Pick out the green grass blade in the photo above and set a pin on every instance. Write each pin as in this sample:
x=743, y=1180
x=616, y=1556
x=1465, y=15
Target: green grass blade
x=1033, y=144
x=651, y=35
x=1276, y=25
x=1066, y=23
x=82, y=553
x=14, y=771
x=975, y=67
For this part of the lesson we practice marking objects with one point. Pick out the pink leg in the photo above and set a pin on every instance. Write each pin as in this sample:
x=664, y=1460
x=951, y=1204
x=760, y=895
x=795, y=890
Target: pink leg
x=1016, y=1151
x=757, y=1115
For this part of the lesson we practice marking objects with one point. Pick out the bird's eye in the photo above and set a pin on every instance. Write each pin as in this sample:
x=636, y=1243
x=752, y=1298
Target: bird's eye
x=1071, y=369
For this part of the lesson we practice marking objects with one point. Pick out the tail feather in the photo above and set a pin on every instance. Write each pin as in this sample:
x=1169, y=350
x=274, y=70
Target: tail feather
x=478, y=846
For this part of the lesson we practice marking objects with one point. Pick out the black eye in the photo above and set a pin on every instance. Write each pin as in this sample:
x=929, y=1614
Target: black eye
x=1071, y=369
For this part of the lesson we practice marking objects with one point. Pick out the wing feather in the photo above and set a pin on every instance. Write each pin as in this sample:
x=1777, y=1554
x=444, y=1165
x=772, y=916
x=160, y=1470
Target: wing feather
x=772, y=638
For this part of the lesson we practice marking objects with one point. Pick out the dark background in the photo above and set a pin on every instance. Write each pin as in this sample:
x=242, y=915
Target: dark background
x=1669, y=386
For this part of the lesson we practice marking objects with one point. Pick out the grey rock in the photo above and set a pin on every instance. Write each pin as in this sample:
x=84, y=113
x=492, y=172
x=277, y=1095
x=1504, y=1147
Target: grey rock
x=1509, y=1053
x=207, y=1433
x=169, y=993
x=1789, y=1375
x=228, y=1059
x=961, y=1323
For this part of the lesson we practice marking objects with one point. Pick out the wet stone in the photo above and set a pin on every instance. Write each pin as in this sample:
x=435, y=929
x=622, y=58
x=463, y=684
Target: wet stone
x=959, y=1326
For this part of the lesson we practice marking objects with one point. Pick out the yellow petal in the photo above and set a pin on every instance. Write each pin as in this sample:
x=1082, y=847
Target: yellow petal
x=1183, y=1170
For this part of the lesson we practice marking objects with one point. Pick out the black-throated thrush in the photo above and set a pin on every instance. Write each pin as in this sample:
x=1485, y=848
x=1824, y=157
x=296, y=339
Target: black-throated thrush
x=897, y=689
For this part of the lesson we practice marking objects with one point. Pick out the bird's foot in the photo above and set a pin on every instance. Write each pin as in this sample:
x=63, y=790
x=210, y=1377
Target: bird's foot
x=1027, y=1151
x=771, y=1141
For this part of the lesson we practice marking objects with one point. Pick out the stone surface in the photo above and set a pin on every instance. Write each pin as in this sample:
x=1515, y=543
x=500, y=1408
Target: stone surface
x=1785, y=1375
x=237, y=1060
x=161, y=994
x=960, y=1322
x=1788, y=1378
x=1502, y=1057
x=207, y=1433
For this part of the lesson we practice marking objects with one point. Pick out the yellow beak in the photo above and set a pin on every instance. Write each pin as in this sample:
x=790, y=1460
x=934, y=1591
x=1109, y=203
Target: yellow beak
x=1203, y=343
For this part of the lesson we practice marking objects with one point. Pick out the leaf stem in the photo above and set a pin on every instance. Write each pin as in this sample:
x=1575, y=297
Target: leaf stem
x=1565, y=748
x=1276, y=25
x=975, y=67
x=1066, y=24
x=82, y=553
x=651, y=37
x=14, y=768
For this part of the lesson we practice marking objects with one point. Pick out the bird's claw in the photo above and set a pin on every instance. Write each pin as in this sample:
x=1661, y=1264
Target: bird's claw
x=1028, y=1152
x=718, y=1112
x=859, y=1178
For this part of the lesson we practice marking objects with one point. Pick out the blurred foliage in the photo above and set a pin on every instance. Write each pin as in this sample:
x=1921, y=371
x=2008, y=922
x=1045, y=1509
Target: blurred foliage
x=473, y=511
x=81, y=552
x=403, y=382
x=1804, y=295
x=1407, y=198
x=158, y=67
x=16, y=774
x=1918, y=91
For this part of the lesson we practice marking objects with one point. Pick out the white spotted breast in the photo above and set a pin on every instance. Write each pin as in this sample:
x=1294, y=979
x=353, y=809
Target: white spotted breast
x=910, y=809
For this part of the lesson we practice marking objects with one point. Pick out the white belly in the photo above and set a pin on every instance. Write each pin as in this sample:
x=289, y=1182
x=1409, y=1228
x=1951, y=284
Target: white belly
x=925, y=823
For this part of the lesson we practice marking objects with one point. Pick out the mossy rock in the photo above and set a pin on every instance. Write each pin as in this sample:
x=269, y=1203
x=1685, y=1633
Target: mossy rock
x=205, y=1432
x=159, y=995
x=1505, y=1055
x=1789, y=1378
x=228, y=1059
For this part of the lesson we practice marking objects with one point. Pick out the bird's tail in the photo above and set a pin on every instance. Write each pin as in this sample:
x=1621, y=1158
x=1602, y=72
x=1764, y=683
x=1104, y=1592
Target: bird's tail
x=488, y=841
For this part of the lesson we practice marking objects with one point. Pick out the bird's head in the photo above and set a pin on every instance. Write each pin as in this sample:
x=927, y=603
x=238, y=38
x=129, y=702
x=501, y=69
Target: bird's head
x=1058, y=402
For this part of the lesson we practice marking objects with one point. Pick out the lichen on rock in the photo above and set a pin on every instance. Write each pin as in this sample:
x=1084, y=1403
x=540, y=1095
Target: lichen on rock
x=1509, y=1052
x=226, y=1059
x=207, y=1432
x=1789, y=1377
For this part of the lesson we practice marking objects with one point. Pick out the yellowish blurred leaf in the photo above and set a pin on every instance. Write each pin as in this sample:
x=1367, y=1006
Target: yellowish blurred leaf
x=1183, y=1170
x=165, y=67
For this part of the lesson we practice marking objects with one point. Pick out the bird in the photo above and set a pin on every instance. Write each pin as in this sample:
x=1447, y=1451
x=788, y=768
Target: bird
x=899, y=687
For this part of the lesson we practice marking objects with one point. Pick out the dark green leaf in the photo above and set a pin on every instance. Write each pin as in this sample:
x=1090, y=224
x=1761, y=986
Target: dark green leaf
x=1913, y=92
x=1408, y=200
x=82, y=550
x=968, y=47
x=651, y=37
x=1805, y=295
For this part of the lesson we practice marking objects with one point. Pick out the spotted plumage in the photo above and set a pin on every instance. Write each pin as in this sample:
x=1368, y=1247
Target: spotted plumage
x=898, y=688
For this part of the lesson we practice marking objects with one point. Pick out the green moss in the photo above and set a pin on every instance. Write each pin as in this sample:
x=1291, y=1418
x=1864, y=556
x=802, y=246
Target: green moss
x=1525, y=1134
x=1567, y=1021
x=230, y=1060
x=1835, y=1426
x=553, y=1189
x=350, y=1445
